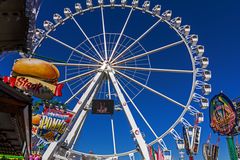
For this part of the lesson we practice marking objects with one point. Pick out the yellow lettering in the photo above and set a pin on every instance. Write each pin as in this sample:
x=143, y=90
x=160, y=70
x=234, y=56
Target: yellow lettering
x=43, y=122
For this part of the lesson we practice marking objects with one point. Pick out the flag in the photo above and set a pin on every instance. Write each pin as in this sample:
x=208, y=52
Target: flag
x=153, y=154
x=160, y=154
x=150, y=152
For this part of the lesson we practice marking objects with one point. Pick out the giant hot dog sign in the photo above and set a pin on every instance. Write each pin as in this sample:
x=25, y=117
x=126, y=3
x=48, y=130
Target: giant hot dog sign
x=36, y=77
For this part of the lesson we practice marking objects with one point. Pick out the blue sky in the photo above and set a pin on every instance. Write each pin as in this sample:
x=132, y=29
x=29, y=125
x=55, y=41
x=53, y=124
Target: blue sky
x=216, y=23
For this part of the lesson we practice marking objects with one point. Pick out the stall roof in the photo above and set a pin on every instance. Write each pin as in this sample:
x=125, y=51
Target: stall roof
x=15, y=121
x=17, y=23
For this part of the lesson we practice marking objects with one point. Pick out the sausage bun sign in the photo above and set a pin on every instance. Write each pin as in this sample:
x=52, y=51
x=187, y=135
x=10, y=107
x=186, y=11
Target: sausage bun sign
x=37, y=77
x=222, y=115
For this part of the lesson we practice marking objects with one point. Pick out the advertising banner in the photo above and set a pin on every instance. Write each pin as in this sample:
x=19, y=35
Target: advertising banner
x=191, y=136
x=37, y=77
x=222, y=115
x=210, y=152
x=35, y=86
x=51, y=123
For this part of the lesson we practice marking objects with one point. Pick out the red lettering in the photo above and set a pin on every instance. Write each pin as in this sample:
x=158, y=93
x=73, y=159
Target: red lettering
x=28, y=85
x=19, y=81
x=37, y=89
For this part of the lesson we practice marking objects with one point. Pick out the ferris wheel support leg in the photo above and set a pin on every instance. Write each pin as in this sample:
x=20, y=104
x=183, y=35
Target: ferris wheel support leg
x=135, y=130
x=69, y=135
x=72, y=136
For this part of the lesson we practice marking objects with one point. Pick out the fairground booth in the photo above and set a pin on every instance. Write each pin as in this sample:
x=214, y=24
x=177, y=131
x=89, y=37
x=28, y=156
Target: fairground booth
x=17, y=21
x=15, y=123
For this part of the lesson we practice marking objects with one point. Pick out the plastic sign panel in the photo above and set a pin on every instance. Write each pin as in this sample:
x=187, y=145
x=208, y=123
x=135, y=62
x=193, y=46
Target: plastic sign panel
x=102, y=107
x=38, y=146
x=191, y=137
x=51, y=123
x=210, y=152
x=35, y=86
x=37, y=77
x=187, y=136
x=196, y=139
x=222, y=115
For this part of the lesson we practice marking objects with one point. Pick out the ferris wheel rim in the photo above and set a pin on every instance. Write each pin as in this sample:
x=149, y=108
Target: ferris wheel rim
x=193, y=67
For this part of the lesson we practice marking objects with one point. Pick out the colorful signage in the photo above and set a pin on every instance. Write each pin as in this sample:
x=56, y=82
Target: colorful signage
x=222, y=115
x=36, y=77
x=210, y=152
x=191, y=136
x=38, y=146
x=51, y=123
x=35, y=86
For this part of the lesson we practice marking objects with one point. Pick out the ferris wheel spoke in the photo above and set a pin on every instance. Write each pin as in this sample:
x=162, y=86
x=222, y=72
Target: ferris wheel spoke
x=72, y=48
x=126, y=85
x=120, y=36
x=153, y=69
x=137, y=73
x=79, y=91
x=152, y=90
x=104, y=33
x=85, y=35
x=149, y=52
x=76, y=77
x=137, y=40
x=45, y=58
x=76, y=64
x=139, y=112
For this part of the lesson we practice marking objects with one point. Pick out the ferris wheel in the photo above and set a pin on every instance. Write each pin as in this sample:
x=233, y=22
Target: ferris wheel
x=122, y=65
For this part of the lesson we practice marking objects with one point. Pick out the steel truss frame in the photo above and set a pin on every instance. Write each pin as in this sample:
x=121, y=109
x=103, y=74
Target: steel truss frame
x=61, y=149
